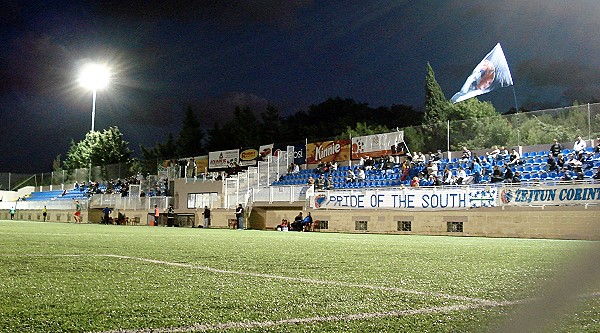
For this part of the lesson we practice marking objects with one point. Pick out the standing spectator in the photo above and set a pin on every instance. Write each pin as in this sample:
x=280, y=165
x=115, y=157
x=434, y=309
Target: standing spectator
x=45, y=213
x=494, y=153
x=156, y=215
x=206, y=216
x=556, y=148
x=170, y=216
x=466, y=154
x=12, y=213
x=239, y=215
x=476, y=168
x=579, y=147
x=360, y=176
x=503, y=153
x=77, y=215
x=106, y=211
x=297, y=224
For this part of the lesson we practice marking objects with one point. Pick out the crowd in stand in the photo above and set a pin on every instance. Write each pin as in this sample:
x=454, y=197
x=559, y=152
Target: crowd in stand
x=499, y=165
x=122, y=186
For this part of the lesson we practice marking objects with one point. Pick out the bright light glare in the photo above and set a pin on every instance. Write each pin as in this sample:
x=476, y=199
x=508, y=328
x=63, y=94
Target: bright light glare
x=94, y=76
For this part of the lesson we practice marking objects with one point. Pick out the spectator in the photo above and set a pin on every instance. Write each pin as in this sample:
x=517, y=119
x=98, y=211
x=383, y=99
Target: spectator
x=514, y=158
x=311, y=181
x=436, y=181
x=351, y=177
x=574, y=163
x=579, y=147
x=307, y=222
x=360, y=175
x=476, y=168
x=551, y=163
x=466, y=155
x=448, y=177
x=556, y=148
x=508, y=174
x=293, y=168
x=415, y=182
x=106, y=211
x=156, y=215
x=566, y=175
x=560, y=161
x=45, y=213
x=239, y=215
x=283, y=226
x=597, y=147
x=77, y=215
x=494, y=153
x=12, y=213
x=368, y=162
x=461, y=176
x=206, y=216
x=503, y=153
x=320, y=182
x=329, y=185
x=517, y=177
x=297, y=224
x=496, y=175
x=170, y=216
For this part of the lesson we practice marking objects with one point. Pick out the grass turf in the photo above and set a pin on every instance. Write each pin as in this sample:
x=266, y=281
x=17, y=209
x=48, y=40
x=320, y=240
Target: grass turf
x=72, y=278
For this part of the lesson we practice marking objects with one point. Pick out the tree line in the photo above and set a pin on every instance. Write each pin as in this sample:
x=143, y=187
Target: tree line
x=474, y=123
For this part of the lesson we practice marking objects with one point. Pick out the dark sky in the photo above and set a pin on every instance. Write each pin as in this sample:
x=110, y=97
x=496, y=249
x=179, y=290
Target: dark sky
x=216, y=54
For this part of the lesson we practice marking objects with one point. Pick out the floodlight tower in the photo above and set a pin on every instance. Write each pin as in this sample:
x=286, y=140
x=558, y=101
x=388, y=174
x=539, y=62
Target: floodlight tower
x=94, y=76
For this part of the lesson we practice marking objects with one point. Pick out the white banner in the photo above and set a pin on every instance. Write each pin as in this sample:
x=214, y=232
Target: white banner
x=407, y=199
x=376, y=145
x=550, y=195
x=224, y=159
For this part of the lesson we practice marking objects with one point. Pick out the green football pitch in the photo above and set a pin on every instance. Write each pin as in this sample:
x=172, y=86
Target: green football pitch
x=58, y=277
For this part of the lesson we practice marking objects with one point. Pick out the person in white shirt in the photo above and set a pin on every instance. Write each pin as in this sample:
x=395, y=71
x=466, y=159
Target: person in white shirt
x=579, y=147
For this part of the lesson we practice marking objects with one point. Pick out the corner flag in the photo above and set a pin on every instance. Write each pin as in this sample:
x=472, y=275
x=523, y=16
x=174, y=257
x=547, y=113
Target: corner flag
x=491, y=73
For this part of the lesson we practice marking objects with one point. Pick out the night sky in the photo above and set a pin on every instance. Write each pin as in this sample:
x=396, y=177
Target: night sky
x=216, y=54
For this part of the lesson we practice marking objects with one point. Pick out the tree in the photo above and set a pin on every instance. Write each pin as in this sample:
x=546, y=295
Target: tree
x=165, y=150
x=189, y=142
x=436, y=104
x=99, y=149
x=271, y=127
x=362, y=129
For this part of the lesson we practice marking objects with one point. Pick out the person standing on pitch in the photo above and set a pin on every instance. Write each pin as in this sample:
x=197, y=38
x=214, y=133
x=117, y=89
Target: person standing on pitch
x=12, y=213
x=206, y=215
x=156, y=215
x=239, y=215
x=77, y=215
x=45, y=213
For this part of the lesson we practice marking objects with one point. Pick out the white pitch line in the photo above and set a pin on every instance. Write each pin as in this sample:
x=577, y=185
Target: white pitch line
x=358, y=316
x=307, y=280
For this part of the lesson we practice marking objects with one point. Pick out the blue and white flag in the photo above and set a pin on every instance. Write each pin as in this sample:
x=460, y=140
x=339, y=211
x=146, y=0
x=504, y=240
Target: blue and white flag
x=491, y=73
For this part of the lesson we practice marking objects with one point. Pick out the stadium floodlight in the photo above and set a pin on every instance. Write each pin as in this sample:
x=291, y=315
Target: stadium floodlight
x=94, y=76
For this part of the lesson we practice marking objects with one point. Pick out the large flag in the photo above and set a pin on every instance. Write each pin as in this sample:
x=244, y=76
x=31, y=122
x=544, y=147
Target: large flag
x=491, y=73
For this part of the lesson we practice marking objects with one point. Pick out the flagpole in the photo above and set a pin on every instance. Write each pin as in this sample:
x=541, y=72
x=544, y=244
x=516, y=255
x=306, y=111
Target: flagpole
x=518, y=124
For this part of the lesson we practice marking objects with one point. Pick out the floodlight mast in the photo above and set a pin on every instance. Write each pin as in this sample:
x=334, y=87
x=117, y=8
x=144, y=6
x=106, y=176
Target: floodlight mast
x=94, y=77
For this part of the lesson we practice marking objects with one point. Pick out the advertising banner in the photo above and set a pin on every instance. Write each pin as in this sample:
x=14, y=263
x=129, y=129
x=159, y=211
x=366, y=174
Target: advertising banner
x=377, y=145
x=407, y=199
x=550, y=195
x=223, y=159
x=328, y=151
x=299, y=151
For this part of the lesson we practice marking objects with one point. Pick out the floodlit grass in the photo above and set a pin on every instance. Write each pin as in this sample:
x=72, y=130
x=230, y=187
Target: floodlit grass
x=94, y=278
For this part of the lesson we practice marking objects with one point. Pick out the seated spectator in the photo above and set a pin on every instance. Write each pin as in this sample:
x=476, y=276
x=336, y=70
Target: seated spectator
x=311, y=181
x=293, y=168
x=556, y=148
x=486, y=167
x=369, y=163
x=508, y=174
x=551, y=163
x=560, y=161
x=307, y=222
x=448, y=177
x=514, y=158
x=597, y=147
x=297, y=224
x=329, y=185
x=494, y=153
x=503, y=154
x=579, y=147
x=496, y=175
x=461, y=176
x=360, y=175
x=466, y=155
x=419, y=159
x=283, y=226
x=438, y=156
x=436, y=181
x=351, y=177
x=574, y=164
x=415, y=182
x=320, y=182
x=517, y=177
x=333, y=166
x=597, y=175
x=432, y=168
